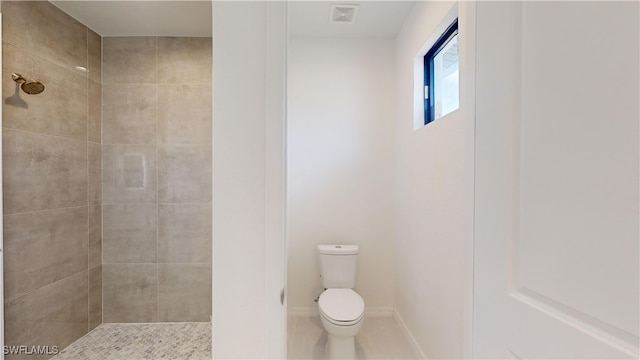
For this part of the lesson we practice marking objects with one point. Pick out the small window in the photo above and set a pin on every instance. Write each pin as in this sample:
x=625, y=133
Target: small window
x=441, y=84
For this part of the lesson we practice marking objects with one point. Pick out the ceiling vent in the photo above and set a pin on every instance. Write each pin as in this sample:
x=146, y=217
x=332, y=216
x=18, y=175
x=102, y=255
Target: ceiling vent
x=343, y=14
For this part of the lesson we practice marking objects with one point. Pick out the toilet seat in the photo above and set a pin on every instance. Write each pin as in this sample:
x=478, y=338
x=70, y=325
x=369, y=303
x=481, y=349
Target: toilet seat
x=343, y=307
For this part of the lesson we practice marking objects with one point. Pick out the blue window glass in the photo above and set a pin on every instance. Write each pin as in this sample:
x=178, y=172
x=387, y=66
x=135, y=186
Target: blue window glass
x=441, y=76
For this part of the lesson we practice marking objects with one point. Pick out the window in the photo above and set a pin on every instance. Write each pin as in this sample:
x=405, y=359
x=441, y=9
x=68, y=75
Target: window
x=441, y=84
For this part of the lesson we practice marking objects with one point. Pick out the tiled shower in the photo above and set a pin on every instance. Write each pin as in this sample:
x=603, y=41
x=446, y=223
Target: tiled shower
x=107, y=178
x=156, y=147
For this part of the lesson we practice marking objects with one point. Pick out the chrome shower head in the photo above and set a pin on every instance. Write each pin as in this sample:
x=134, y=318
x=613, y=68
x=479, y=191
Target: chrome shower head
x=31, y=87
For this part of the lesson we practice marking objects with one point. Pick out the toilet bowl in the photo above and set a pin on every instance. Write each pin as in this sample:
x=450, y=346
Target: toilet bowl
x=342, y=314
x=341, y=308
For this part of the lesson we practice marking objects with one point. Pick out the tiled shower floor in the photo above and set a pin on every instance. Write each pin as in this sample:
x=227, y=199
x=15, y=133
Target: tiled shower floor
x=176, y=341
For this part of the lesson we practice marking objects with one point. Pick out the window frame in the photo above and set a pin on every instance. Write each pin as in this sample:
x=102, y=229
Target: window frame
x=429, y=98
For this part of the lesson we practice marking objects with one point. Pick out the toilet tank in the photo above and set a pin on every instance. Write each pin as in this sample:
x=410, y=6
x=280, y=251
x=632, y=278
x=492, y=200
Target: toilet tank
x=338, y=265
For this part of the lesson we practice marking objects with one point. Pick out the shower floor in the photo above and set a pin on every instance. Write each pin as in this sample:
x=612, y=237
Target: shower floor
x=176, y=341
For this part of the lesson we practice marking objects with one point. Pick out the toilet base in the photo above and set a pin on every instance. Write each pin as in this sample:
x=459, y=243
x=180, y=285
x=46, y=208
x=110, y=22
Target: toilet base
x=340, y=347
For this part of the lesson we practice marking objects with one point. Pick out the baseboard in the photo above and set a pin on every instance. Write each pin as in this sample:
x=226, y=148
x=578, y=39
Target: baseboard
x=303, y=311
x=405, y=330
x=377, y=311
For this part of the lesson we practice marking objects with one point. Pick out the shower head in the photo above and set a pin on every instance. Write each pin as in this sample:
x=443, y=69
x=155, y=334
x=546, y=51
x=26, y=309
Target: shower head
x=31, y=87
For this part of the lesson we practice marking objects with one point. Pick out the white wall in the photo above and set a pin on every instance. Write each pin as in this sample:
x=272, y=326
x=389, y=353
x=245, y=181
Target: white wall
x=433, y=182
x=340, y=163
x=248, y=236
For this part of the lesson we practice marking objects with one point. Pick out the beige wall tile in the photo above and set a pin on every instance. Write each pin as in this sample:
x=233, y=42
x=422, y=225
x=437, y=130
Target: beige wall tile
x=94, y=120
x=43, y=172
x=184, y=60
x=94, y=52
x=129, y=114
x=184, y=292
x=47, y=168
x=184, y=173
x=45, y=30
x=95, y=297
x=129, y=233
x=95, y=235
x=129, y=174
x=128, y=60
x=95, y=173
x=184, y=233
x=54, y=315
x=184, y=114
x=43, y=247
x=61, y=109
x=129, y=293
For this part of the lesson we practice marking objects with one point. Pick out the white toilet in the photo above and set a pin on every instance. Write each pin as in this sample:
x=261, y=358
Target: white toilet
x=341, y=308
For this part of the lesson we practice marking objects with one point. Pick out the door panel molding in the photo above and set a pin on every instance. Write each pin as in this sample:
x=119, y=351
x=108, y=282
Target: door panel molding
x=555, y=235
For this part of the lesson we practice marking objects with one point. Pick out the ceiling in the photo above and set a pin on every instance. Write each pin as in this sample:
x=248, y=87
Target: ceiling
x=375, y=19
x=142, y=18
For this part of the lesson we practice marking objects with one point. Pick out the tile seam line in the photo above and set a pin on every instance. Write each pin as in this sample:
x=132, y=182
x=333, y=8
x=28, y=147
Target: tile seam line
x=46, y=285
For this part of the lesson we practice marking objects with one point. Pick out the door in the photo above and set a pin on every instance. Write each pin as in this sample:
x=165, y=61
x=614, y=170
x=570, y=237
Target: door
x=275, y=181
x=556, y=212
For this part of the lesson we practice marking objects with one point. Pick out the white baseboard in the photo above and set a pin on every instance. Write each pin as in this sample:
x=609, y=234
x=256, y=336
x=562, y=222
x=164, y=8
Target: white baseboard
x=377, y=311
x=405, y=330
x=303, y=311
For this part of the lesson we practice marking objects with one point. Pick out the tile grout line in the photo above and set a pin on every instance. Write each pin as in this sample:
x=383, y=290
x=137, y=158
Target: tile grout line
x=88, y=199
x=35, y=54
x=6, y=300
x=101, y=80
x=157, y=191
x=44, y=134
x=153, y=263
x=45, y=210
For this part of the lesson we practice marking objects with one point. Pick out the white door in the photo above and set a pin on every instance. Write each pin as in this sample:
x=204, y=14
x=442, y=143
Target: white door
x=275, y=181
x=556, y=216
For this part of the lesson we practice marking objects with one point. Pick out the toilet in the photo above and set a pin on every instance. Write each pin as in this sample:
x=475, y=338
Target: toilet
x=341, y=308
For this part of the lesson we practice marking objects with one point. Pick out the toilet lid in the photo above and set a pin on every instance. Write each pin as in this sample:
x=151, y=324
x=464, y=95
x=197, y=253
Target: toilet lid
x=341, y=304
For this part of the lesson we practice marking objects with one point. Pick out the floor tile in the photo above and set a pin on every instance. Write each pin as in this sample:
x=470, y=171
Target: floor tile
x=379, y=338
x=174, y=341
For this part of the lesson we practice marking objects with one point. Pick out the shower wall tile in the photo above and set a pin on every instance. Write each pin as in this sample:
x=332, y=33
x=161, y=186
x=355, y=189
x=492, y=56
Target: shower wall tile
x=129, y=293
x=129, y=174
x=129, y=60
x=43, y=172
x=94, y=120
x=94, y=52
x=52, y=162
x=60, y=110
x=184, y=173
x=156, y=133
x=43, y=29
x=95, y=173
x=184, y=114
x=95, y=235
x=184, y=60
x=43, y=247
x=129, y=114
x=184, y=233
x=95, y=297
x=184, y=292
x=130, y=233
x=54, y=315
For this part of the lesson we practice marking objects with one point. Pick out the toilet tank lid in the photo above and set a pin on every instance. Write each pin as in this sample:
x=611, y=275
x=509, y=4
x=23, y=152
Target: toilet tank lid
x=338, y=249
